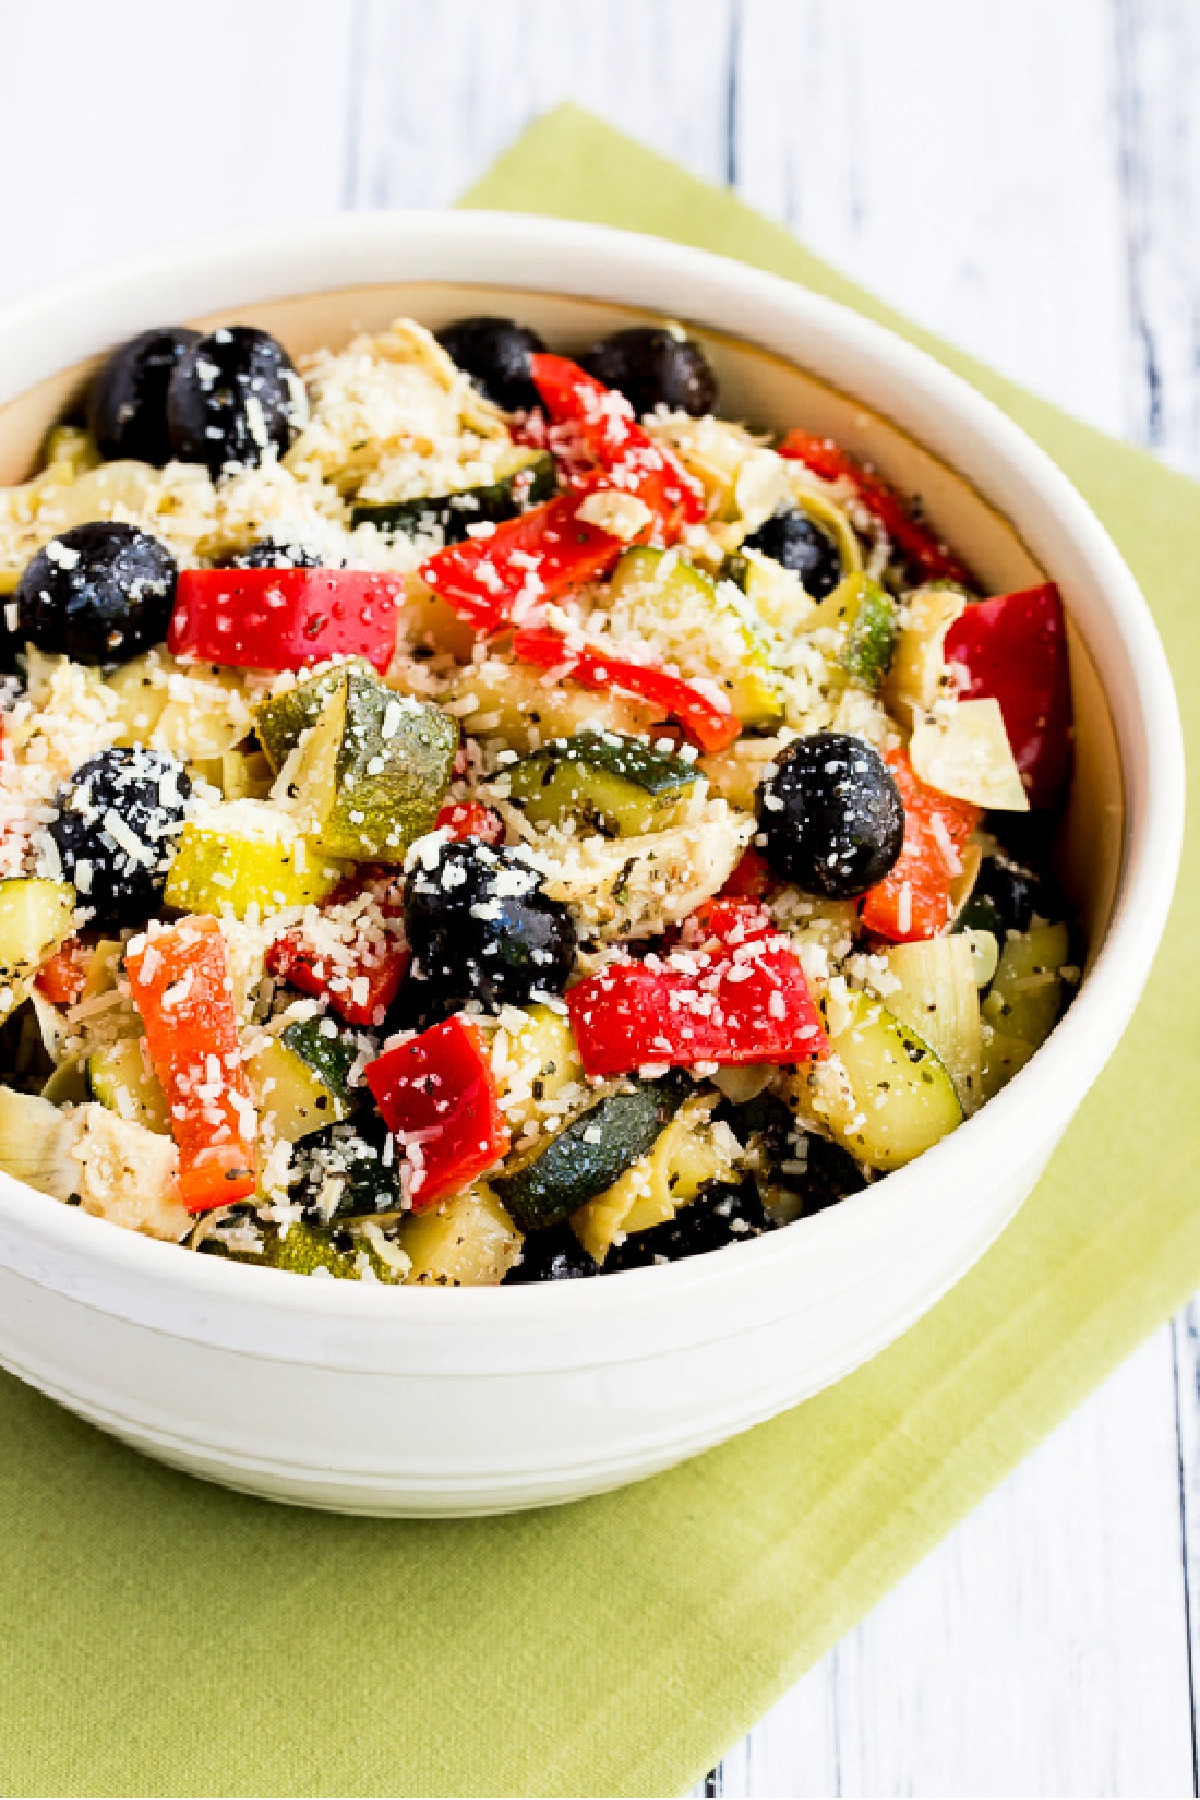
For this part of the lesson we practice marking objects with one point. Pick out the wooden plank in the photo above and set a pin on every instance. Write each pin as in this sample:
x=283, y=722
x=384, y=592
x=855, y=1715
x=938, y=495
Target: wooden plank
x=134, y=128
x=441, y=89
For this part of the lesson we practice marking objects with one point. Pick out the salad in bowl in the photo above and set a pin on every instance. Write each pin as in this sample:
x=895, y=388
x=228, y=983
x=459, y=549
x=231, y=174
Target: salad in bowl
x=473, y=816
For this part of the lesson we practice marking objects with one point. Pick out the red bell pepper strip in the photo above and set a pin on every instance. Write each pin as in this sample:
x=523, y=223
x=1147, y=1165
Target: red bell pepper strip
x=746, y=1001
x=706, y=724
x=180, y=983
x=825, y=458
x=912, y=902
x=285, y=618
x=1014, y=651
x=605, y=447
x=362, y=978
x=469, y=819
x=438, y=1097
x=62, y=977
x=540, y=556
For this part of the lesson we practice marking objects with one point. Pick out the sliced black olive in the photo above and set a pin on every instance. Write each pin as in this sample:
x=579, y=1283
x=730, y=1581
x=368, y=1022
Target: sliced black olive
x=1005, y=898
x=100, y=593
x=115, y=831
x=655, y=365
x=813, y=1171
x=481, y=928
x=830, y=815
x=800, y=544
x=553, y=1255
x=127, y=408
x=233, y=397
x=495, y=354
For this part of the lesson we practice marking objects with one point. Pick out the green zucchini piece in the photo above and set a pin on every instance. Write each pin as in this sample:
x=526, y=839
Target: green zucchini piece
x=592, y=1152
x=470, y=1240
x=617, y=785
x=685, y=618
x=1025, y=997
x=120, y=1078
x=35, y=918
x=302, y=1250
x=35, y=1144
x=247, y=853
x=888, y=1097
x=689, y=1154
x=331, y=1054
x=280, y=723
x=864, y=620
x=938, y=997
x=531, y=482
x=1003, y=1057
x=349, y=1173
x=370, y=776
x=291, y=1096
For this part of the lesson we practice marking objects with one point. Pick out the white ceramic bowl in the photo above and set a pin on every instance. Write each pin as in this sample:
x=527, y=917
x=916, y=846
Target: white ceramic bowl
x=423, y=1401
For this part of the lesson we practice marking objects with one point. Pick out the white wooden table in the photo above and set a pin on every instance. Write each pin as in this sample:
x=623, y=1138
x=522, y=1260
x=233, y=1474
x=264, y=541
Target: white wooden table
x=1024, y=179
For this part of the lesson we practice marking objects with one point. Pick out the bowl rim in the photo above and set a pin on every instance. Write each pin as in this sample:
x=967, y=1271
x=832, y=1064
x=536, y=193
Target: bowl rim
x=250, y=266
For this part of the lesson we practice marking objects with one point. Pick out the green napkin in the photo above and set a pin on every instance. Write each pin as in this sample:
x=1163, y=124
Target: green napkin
x=162, y=1637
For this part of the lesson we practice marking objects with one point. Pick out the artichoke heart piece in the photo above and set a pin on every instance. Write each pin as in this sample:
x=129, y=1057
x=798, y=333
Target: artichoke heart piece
x=862, y=621
x=370, y=776
x=688, y=620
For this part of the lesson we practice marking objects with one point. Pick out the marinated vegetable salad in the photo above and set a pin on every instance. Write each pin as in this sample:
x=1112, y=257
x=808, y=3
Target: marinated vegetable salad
x=469, y=816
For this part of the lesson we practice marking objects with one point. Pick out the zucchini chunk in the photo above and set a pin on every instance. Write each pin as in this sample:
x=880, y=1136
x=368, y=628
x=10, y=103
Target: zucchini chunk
x=35, y=1144
x=349, y=1172
x=884, y=1094
x=120, y=1077
x=1023, y=1002
x=688, y=1154
x=280, y=722
x=247, y=853
x=530, y=482
x=303, y=1250
x=542, y=1062
x=858, y=621
x=687, y=619
x=299, y=1080
x=470, y=1240
x=591, y=1153
x=938, y=997
x=370, y=776
x=616, y=785
x=35, y=918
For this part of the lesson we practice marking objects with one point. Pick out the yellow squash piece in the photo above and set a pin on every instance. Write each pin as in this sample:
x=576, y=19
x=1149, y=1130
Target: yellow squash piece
x=247, y=853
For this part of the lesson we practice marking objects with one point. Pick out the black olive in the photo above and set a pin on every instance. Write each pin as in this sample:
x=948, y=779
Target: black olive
x=830, y=816
x=655, y=365
x=720, y=1215
x=495, y=354
x=141, y=792
x=1005, y=898
x=784, y=1155
x=270, y=554
x=100, y=593
x=553, y=1255
x=232, y=397
x=800, y=544
x=127, y=408
x=480, y=928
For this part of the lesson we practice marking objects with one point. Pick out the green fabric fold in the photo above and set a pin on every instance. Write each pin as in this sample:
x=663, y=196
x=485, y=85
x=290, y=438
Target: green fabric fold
x=164, y=1638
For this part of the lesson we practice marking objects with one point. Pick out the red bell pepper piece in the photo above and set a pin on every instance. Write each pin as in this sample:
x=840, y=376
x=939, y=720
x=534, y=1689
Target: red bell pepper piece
x=828, y=460
x=746, y=1001
x=601, y=445
x=1014, y=651
x=469, y=819
x=540, y=556
x=913, y=901
x=438, y=1097
x=362, y=979
x=706, y=724
x=62, y=976
x=181, y=986
x=751, y=879
x=285, y=618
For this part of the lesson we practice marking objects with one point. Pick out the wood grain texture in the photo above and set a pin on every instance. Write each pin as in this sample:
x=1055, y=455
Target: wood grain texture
x=1025, y=180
